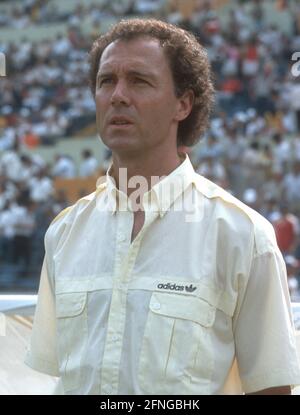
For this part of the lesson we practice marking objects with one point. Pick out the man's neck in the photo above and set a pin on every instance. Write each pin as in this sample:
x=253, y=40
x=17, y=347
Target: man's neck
x=126, y=169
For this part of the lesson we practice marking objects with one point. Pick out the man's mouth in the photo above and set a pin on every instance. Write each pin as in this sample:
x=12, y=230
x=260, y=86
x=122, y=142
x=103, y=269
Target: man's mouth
x=120, y=121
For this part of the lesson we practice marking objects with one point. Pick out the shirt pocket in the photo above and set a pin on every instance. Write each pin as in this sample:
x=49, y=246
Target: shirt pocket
x=71, y=313
x=176, y=354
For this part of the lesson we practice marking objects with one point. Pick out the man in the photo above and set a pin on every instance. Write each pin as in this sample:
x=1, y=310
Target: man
x=158, y=280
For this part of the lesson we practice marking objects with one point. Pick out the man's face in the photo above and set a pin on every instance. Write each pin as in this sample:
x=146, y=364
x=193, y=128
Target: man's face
x=136, y=106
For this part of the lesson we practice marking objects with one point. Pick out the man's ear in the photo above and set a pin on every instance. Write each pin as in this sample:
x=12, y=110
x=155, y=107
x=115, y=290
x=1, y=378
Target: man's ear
x=185, y=105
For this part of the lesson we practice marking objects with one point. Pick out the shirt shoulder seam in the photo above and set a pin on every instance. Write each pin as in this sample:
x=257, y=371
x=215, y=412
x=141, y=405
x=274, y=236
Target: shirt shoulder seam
x=86, y=198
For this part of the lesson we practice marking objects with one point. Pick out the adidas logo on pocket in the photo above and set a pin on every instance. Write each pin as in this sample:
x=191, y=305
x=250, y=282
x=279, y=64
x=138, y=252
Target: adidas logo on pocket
x=175, y=287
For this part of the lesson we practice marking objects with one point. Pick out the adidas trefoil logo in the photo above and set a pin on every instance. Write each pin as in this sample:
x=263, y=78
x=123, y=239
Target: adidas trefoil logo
x=190, y=288
x=175, y=287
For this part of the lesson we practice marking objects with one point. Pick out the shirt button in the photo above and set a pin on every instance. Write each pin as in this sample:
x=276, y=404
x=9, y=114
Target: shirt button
x=115, y=338
x=156, y=306
x=122, y=237
x=107, y=389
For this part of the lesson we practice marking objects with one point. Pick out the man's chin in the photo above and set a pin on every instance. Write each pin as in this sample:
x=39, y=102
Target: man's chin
x=122, y=144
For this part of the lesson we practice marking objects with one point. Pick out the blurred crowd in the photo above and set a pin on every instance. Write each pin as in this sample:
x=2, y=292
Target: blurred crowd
x=252, y=147
x=29, y=202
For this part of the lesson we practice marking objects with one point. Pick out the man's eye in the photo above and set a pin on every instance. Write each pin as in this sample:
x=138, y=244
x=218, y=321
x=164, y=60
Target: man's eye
x=139, y=81
x=105, y=81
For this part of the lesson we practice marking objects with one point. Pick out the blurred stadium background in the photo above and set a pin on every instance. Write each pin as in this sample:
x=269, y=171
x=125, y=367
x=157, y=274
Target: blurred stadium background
x=50, y=154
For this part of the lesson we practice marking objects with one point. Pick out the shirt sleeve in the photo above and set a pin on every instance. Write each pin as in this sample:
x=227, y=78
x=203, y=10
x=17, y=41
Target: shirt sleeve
x=42, y=353
x=263, y=329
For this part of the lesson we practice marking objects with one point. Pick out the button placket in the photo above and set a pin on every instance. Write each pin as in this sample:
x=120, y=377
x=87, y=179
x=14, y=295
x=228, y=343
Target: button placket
x=134, y=247
x=124, y=262
x=117, y=313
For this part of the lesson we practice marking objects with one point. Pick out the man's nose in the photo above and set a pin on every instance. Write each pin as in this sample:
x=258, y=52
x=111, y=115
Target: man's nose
x=120, y=94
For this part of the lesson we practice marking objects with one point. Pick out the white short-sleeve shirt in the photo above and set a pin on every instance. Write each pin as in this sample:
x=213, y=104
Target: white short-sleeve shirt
x=202, y=283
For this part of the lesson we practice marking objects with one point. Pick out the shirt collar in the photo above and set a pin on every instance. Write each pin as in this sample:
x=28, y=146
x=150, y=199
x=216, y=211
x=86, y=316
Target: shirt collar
x=161, y=196
x=174, y=185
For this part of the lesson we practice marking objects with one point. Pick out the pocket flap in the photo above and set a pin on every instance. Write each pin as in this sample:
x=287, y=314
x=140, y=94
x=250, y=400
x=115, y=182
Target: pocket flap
x=184, y=307
x=70, y=304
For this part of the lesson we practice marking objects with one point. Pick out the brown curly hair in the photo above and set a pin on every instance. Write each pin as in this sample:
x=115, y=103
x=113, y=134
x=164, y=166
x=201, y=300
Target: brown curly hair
x=188, y=62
